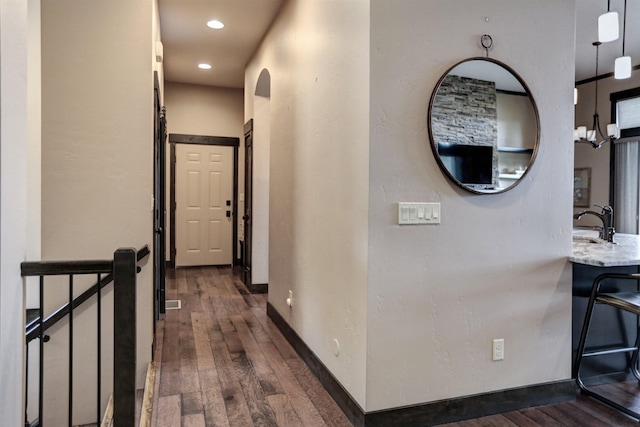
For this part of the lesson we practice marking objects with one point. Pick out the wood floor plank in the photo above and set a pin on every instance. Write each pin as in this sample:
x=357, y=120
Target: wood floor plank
x=488, y=421
x=193, y=420
x=541, y=418
x=258, y=332
x=171, y=343
x=554, y=412
x=324, y=404
x=272, y=331
x=286, y=416
x=193, y=284
x=169, y=379
x=580, y=417
x=211, y=395
x=188, y=358
x=202, y=346
x=192, y=403
x=521, y=420
x=237, y=410
x=261, y=412
x=171, y=290
x=268, y=380
x=600, y=411
x=213, y=327
x=181, y=280
x=205, y=290
x=215, y=411
x=168, y=411
x=300, y=401
x=234, y=301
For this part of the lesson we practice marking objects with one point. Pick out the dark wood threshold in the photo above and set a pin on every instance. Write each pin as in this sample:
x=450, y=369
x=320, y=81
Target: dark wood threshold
x=258, y=288
x=428, y=414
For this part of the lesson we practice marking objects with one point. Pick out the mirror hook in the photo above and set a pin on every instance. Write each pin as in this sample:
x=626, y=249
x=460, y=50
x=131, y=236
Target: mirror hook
x=487, y=42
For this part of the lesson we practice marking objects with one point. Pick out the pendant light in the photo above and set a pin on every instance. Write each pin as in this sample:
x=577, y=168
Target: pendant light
x=591, y=136
x=622, y=68
x=608, y=27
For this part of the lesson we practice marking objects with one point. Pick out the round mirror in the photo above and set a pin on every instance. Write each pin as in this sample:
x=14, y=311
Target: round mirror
x=483, y=125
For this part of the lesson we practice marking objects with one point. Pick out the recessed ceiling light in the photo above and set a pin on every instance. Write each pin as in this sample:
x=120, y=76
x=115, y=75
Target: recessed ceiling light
x=204, y=66
x=215, y=24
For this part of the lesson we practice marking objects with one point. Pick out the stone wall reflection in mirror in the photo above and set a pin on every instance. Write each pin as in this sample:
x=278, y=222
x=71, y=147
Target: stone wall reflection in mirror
x=483, y=125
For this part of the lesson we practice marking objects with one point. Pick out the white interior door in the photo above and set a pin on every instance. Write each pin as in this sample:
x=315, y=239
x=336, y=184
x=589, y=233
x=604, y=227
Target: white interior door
x=204, y=191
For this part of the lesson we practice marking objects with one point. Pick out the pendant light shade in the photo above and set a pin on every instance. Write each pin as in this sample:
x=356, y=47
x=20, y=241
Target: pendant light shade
x=622, y=67
x=608, y=27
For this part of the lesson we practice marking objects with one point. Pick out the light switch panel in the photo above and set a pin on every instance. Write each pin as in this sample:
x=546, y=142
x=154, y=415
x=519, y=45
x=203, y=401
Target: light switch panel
x=419, y=213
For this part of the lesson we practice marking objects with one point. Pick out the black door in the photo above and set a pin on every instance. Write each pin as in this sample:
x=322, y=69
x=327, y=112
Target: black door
x=159, y=208
x=248, y=191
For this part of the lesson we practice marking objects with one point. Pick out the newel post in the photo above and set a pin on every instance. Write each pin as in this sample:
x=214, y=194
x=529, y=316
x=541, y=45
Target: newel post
x=124, y=357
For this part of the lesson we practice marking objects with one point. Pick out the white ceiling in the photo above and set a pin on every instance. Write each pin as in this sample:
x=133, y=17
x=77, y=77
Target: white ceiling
x=188, y=41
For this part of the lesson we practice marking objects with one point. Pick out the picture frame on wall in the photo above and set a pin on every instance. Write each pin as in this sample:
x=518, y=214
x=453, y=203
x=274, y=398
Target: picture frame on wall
x=581, y=187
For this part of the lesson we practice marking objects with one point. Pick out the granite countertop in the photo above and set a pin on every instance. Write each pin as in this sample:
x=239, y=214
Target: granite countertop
x=625, y=250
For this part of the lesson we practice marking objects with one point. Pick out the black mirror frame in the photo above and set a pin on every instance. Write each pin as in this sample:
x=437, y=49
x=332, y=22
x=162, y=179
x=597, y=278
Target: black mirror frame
x=434, y=146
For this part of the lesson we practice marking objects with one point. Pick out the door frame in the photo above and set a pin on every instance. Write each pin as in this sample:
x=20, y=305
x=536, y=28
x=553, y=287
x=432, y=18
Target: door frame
x=247, y=236
x=226, y=141
x=159, y=205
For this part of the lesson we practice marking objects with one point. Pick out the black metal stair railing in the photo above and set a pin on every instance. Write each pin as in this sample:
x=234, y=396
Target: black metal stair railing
x=122, y=272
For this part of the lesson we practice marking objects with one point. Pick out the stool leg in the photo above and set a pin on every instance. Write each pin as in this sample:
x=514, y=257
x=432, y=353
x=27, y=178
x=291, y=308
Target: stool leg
x=585, y=330
x=582, y=344
x=634, y=361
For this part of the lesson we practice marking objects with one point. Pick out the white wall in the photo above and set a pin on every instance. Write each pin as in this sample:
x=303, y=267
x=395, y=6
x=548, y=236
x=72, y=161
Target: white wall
x=585, y=155
x=416, y=307
x=317, y=54
x=34, y=165
x=14, y=245
x=496, y=267
x=97, y=159
x=205, y=110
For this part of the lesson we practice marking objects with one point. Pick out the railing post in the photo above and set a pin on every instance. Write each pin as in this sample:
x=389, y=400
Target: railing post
x=124, y=358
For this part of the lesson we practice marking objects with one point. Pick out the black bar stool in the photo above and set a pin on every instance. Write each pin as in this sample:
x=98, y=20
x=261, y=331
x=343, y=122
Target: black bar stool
x=627, y=300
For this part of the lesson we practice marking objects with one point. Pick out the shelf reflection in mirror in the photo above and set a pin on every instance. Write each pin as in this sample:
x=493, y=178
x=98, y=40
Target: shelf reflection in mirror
x=483, y=126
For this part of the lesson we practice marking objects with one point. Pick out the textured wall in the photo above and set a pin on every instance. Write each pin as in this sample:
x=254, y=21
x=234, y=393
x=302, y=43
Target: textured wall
x=97, y=164
x=416, y=307
x=496, y=267
x=317, y=55
x=13, y=204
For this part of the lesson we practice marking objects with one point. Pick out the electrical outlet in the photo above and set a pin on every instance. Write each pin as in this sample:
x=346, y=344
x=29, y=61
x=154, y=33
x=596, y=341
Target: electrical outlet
x=498, y=349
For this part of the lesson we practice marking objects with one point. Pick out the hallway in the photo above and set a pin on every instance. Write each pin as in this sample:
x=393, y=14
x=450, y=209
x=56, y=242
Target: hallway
x=221, y=362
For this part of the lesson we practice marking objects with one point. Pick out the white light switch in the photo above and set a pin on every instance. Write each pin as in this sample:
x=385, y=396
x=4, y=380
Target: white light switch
x=419, y=213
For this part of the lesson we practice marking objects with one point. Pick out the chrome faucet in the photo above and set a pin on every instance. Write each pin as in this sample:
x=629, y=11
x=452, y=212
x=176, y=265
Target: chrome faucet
x=606, y=216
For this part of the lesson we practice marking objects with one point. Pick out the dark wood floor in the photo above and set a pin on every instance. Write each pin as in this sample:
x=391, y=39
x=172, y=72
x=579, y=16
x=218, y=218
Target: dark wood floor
x=222, y=362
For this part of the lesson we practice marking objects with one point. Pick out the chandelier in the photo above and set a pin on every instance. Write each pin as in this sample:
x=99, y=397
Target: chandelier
x=595, y=136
